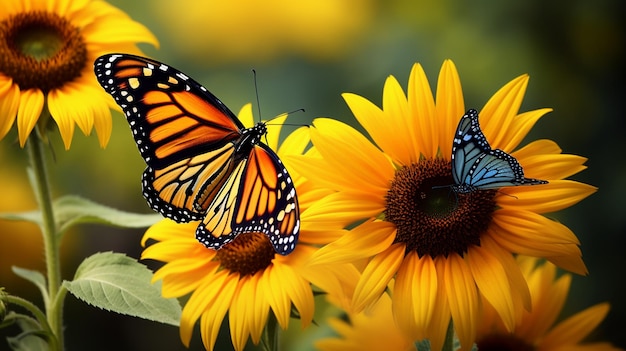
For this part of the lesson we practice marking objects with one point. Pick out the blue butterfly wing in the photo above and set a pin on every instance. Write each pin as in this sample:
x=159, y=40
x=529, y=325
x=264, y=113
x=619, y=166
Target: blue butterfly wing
x=476, y=166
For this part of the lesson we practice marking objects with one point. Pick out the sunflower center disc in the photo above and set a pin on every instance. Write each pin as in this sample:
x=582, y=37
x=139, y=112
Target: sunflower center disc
x=247, y=254
x=41, y=50
x=430, y=217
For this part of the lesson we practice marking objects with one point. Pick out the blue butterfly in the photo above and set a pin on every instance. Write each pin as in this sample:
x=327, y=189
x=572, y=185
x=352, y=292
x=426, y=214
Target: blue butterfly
x=476, y=166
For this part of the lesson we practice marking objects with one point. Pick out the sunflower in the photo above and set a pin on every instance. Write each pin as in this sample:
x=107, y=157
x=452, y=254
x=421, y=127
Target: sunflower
x=245, y=277
x=536, y=330
x=447, y=251
x=375, y=329
x=47, y=50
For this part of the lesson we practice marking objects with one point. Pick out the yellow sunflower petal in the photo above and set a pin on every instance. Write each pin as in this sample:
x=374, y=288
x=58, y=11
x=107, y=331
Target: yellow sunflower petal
x=575, y=328
x=492, y=280
x=421, y=121
x=571, y=262
x=12, y=7
x=72, y=95
x=274, y=127
x=463, y=299
x=319, y=171
x=552, y=197
x=260, y=311
x=450, y=105
x=404, y=147
x=414, y=294
x=350, y=154
x=441, y=314
x=317, y=233
x=113, y=28
x=337, y=280
x=167, y=229
x=211, y=321
x=300, y=294
x=90, y=11
x=246, y=116
x=402, y=306
x=534, y=227
x=564, y=255
x=211, y=301
x=9, y=103
x=548, y=297
x=183, y=276
x=519, y=286
x=549, y=166
x=277, y=296
x=31, y=105
x=364, y=241
x=66, y=6
x=379, y=125
x=520, y=126
x=295, y=143
x=498, y=113
x=60, y=109
x=376, y=276
x=543, y=159
x=96, y=115
x=242, y=309
x=346, y=207
x=172, y=250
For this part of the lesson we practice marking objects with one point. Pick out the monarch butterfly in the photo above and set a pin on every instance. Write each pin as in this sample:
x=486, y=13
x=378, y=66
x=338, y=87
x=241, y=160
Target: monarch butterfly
x=202, y=163
x=476, y=166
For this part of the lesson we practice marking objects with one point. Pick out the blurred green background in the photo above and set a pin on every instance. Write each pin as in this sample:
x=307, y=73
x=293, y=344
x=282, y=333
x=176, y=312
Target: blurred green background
x=308, y=52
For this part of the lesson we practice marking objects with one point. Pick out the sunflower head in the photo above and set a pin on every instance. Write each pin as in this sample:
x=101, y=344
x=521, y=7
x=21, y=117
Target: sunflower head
x=449, y=243
x=46, y=53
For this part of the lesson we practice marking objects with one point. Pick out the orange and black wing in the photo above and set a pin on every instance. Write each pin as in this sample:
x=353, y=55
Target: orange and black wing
x=258, y=196
x=184, y=133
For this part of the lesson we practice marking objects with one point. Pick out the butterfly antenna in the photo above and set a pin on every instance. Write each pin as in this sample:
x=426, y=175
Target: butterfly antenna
x=256, y=92
x=502, y=192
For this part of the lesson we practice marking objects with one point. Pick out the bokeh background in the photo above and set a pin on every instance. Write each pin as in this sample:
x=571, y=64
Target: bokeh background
x=308, y=52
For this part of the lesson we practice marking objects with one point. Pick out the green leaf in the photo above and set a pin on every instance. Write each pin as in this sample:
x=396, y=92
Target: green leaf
x=70, y=210
x=34, y=277
x=27, y=216
x=30, y=339
x=118, y=283
x=422, y=345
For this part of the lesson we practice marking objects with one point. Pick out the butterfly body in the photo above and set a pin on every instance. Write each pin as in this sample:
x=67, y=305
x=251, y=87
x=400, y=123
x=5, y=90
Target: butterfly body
x=202, y=163
x=476, y=166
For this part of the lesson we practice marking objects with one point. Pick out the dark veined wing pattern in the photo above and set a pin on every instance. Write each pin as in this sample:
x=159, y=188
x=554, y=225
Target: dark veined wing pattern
x=271, y=206
x=476, y=166
x=199, y=156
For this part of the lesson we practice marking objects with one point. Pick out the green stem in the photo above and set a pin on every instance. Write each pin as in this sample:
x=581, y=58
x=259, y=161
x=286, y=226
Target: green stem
x=448, y=344
x=269, y=338
x=30, y=307
x=50, y=238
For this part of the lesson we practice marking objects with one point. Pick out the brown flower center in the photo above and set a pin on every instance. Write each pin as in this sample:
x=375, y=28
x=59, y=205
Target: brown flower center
x=247, y=254
x=503, y=342
x=41, y=50
x=430, y=217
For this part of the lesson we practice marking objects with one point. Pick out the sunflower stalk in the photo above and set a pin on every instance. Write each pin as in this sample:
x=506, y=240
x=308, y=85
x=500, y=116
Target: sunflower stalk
x=41, y=187
x=269, y=338
x=448, y=343
x=40, y=317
